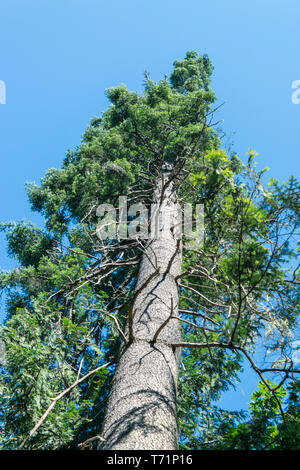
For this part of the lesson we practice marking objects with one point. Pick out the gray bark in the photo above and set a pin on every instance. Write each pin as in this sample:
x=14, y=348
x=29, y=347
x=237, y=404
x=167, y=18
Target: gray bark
x=141, y=409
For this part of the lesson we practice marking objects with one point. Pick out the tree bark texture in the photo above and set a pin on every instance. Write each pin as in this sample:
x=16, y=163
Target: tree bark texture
x=141, y=410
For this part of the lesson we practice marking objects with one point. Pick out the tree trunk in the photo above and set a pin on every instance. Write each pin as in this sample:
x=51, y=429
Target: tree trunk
x=141, y=411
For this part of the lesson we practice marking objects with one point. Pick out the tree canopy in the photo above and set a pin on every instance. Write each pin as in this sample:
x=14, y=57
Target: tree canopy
x=69, y=298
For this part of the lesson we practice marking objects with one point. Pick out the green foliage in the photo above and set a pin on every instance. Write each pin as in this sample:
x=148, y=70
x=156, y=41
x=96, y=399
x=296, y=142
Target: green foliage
x=60, y=296
x=27, y=243
x=266, y=428
x=191, y=73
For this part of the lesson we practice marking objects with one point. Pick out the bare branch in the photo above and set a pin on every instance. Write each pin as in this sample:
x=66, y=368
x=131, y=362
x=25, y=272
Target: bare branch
x=57, y=398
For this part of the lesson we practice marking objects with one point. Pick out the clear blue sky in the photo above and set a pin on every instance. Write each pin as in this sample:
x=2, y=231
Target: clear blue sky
x=58, y=56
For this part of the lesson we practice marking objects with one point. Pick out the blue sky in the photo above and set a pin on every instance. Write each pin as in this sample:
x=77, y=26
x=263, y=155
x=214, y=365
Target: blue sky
x=58, y=56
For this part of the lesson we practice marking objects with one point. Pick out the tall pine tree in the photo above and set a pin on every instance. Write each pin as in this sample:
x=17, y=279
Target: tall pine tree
x=127, y=343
